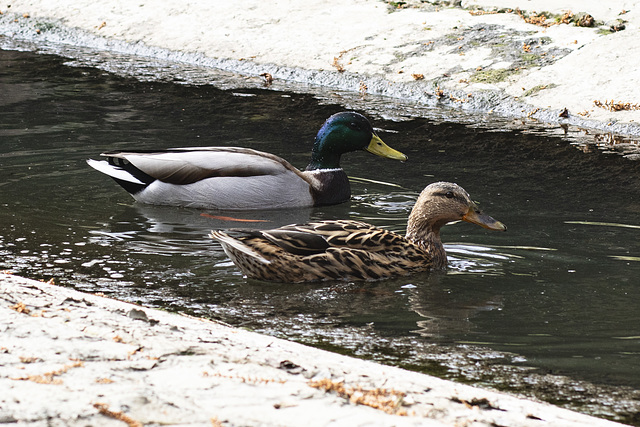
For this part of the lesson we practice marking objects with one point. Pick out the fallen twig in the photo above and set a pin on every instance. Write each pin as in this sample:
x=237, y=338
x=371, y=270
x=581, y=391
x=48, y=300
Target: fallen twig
x=103, y=408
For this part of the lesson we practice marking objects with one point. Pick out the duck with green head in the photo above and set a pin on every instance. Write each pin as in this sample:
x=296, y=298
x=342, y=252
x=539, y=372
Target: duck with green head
x=244, y=179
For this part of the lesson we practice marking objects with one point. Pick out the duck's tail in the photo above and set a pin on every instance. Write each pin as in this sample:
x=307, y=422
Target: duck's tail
x=122, y=176
x=229, y=244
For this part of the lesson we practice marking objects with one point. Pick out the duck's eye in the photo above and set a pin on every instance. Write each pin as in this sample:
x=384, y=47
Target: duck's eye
x=354, y=126
x=449, y=195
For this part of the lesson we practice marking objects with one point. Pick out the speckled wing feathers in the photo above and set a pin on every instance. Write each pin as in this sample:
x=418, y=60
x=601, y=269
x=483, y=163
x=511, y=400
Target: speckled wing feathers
x=297, y=242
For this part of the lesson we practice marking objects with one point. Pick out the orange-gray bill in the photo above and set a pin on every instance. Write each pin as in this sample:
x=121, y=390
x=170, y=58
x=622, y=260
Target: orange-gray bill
x=474, y=216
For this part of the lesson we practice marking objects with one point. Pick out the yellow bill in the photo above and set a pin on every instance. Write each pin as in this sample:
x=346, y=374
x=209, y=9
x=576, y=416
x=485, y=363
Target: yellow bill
x=379, y=148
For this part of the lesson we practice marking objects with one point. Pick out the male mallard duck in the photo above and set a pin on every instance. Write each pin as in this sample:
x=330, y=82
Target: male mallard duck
x=241, y=178
x=354, y=250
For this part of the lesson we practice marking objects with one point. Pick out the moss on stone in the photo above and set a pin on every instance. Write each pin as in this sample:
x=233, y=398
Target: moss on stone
x=529, y=58
x=491, y=76
x=538, y=88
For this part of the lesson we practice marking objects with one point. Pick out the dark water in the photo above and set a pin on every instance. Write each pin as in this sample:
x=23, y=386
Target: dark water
x=550, y=308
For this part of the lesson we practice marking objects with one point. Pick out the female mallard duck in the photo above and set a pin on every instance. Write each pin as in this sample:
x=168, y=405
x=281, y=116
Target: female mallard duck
x=354, y=250
x=241, y=178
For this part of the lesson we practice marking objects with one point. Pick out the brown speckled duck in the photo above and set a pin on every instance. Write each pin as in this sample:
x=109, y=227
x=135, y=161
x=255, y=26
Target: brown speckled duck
x=354, y=250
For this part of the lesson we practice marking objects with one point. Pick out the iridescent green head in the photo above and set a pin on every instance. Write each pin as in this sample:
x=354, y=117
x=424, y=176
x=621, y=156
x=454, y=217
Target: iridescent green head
x=345, y=132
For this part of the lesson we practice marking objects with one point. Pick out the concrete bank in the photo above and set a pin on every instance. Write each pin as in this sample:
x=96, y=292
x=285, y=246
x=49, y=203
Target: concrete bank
x=576, y=63
x=70, y=359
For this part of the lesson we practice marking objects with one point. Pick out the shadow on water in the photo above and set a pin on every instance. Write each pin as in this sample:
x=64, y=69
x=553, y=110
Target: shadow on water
x=549, y=308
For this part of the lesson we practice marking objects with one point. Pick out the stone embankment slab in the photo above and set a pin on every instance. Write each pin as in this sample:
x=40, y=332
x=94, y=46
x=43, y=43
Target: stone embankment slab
x=70, y=358
x=567, y=62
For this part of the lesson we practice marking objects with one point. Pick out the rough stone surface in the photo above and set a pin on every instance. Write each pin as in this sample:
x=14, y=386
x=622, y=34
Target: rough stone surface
x=483, y=56
x=68, y=358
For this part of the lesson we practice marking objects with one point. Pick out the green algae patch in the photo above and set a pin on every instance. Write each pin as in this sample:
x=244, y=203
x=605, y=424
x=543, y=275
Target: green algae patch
x=538, y=88
x=530, y=58
x=491, y=76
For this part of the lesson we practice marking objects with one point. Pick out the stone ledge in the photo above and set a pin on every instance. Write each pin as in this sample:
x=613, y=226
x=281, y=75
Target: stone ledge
x=69, y=358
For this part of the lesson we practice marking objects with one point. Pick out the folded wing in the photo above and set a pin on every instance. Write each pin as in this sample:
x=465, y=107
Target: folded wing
x=186, y=166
